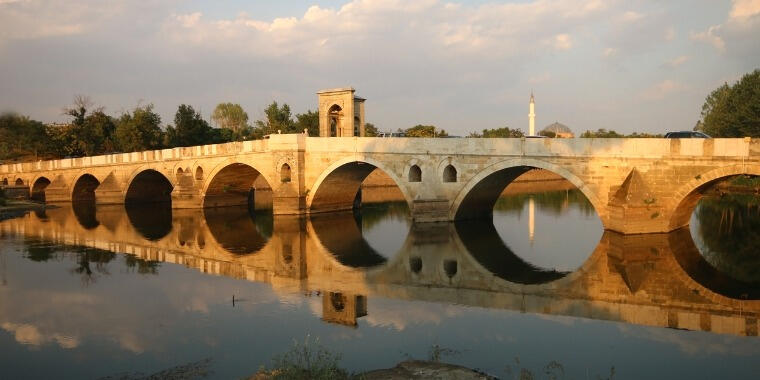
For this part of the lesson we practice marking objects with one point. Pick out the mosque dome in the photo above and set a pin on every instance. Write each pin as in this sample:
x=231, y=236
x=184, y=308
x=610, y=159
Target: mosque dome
x=559, y=129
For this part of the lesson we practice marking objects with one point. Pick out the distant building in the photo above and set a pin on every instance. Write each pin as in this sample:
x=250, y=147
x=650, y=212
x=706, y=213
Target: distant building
x=559, y=130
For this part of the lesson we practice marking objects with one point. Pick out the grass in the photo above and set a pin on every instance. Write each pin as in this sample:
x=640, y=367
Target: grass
x=307, y=360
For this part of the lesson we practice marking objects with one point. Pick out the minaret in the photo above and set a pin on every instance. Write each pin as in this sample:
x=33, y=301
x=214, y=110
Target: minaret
x=532, y=117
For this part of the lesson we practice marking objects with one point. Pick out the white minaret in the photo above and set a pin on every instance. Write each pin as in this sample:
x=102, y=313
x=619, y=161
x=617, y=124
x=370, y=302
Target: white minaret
x=532, y=117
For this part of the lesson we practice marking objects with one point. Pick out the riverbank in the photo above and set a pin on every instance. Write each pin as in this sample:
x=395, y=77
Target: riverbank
x=406, y=370
x=16, y=208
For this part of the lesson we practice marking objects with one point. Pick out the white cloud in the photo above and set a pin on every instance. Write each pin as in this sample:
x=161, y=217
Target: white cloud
x=631, y=16
x=563, y=42
x=744, y=9
x=677, y=61
x=661, y=90
x=711, y=37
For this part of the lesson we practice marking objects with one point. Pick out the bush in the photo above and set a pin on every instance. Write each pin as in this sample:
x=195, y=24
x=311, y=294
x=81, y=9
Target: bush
x=307, y=360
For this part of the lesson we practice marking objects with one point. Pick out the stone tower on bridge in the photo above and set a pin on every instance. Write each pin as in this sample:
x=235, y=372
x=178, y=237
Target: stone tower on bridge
x=341, y=113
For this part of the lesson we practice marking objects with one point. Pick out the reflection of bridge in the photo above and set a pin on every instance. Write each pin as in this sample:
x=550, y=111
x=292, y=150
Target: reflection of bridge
x=636, y=185
x=655, y=279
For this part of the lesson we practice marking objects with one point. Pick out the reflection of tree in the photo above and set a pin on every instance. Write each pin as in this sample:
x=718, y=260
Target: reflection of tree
x=556, y=202
x=372, y=214
x=85, y=257
x=143, y=266
x=730, y=230
x=40, y=251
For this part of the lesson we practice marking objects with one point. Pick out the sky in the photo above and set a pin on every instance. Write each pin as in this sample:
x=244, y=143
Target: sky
x=636, y=65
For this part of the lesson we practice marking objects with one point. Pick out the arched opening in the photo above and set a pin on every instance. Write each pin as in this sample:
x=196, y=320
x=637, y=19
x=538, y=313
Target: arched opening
x=415, y=174
x=353, y=184
x=238, y=185
x=449, y=174
x=335, y=116
x=285, y=173
x=38, y=189
x=415, y=264
x=5, y=181
x=150, y=186
x=199, y=173
x=547, y=221
x=19, y=182
x=84, y=189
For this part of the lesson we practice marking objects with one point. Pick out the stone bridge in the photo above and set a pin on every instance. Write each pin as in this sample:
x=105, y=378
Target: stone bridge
x=635, y=185
x=648, y=279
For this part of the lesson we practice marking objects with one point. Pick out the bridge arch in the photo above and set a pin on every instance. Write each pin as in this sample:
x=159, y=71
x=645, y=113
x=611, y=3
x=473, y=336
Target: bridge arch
x=230, y=184
x=148, y=185
x=478, y=196
x=689, y=194
x=84, y=188
x=336, y=187
x=38, y=188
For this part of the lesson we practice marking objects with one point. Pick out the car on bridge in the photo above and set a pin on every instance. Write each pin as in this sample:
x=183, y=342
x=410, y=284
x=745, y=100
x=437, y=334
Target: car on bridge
x=687, y=135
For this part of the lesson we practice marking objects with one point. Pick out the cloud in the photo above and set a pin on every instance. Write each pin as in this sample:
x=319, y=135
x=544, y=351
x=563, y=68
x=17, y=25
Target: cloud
x=631, y=16
x=30, y=335
x=744, y=9
x=677, y=61
x=609, y=52
x=563, y=42
x=661, y=90
x=711, y=37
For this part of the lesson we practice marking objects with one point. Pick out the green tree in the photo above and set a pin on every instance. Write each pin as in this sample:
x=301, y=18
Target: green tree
x=370, y=130
x=277, y=119
x=20, y=137
x=90, y=134
x=734, y=111
x=138, y=130
x=499, y=133
x=232, y=120
x=420, y=130
x=308, y=121
x=189, y=129
x=601, y=133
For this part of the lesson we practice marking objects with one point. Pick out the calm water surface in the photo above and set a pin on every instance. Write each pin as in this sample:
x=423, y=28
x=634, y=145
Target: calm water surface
x=90, y=293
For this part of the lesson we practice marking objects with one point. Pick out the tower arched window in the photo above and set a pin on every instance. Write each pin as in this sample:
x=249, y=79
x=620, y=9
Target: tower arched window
x=415, y=174
x=449, y=174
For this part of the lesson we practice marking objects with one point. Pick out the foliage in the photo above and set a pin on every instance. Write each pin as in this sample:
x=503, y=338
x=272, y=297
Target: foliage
x=547, y=134
x=307, y=360
x=189, y=129
x=233, y=123
x=143, y=266
x=21, y=136
x=420, y=130
x=277, y=119
x=601, y=133
x=88, y=134
x=138, y=130
x=503, y=132
x=370, y=130
x=308, y=121
x=733, y=111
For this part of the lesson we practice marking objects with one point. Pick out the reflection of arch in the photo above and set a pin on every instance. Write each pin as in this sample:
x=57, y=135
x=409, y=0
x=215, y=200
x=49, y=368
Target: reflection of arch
x=478, y=196
x=484, y=244
x=153, y=222
x=341, y=235
x=337, y=186
x=449, y=173
x=285, y=173
x=5, y=181
x=84, y=188
x=232, y=184
x=38, y=189
x=148, y=186
x=688, y=195
x=415, y=174
x=700, y=271
x=84, y=211
x=238, y=231
x=19, y=182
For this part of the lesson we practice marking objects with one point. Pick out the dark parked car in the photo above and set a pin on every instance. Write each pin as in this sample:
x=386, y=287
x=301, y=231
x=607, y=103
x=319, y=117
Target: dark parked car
x=686, y=135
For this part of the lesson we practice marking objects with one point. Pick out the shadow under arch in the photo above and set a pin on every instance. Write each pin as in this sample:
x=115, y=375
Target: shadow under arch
x=232, y=184
x=148, y=186
x=237, y=230
x=340, y=233
x=38, y=189
x=478, y=197
x=484, y=244
x=703, y=273
x=688, y=195
x=337, y=188
x=152, y=222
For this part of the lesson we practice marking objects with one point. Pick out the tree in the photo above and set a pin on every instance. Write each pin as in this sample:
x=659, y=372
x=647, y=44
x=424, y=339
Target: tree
x=499, y=133
x=601, y=133
x=231, y=117
x=21, y=136
x=277, y=119
x=90, y=134
x=308, y=121
x=420, y=130
x=189, y=128
x=733, y=111
x=370, y=130
x=138, y=130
